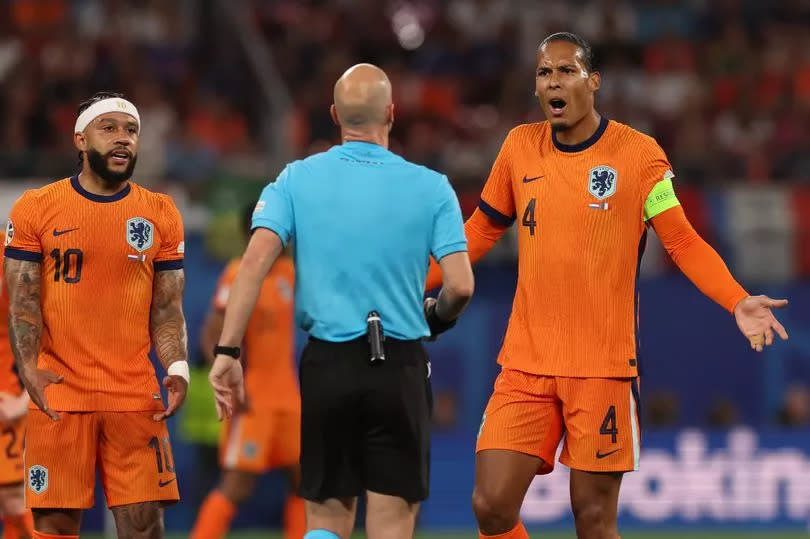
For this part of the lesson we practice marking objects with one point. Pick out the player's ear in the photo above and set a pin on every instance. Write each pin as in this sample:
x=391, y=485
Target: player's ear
x=80, y=141
x=389, y=113
x=594, y=81
x=333, y=114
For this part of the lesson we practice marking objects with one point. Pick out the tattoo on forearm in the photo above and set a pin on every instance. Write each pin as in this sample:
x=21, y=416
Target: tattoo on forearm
x=167, y=322
x=139, y=520
x=23, y=281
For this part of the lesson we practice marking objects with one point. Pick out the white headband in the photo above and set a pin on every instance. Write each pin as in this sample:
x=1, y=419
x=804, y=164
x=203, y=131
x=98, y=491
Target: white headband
x=113, y=104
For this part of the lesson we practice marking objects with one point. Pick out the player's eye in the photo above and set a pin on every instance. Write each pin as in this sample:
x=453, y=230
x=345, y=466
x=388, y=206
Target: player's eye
x=133, y=131
x=109, y=128
x=542, y=72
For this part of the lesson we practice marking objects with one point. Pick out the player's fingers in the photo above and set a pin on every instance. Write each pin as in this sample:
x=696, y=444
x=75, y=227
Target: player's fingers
x=768, y=337
x=780, y=329
x=775, y=303
x=50, y=413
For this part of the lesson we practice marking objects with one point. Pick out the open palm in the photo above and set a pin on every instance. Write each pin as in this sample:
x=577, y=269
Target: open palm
x=757, y=322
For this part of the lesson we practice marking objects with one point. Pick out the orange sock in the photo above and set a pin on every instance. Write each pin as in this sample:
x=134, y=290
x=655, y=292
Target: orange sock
x=214, y=520
x=40, y=535
x=18, y=526
x=295, y=518
x=518, y=532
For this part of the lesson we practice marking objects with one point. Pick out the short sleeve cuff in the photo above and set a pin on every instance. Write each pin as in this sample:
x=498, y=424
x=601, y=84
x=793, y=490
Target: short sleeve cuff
x=166, y=265
x=458, y=247
x=22, y=254
x=272, y=226
x=495, y=215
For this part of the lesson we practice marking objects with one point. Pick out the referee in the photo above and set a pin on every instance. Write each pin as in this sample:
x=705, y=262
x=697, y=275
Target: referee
x=363, y=222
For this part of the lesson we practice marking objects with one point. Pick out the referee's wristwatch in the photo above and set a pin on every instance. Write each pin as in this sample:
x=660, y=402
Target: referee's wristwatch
x=233, y=351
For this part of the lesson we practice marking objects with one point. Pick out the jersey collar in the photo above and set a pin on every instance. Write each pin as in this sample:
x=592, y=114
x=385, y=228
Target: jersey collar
x=585, y=144
x=74, y=181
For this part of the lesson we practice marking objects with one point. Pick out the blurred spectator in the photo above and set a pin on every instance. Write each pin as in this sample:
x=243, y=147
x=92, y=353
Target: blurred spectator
x=723, y=414
x=796, y=408
x=661, y=409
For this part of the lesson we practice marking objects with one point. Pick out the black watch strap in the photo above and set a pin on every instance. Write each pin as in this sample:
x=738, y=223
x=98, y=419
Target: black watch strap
x=233, y=351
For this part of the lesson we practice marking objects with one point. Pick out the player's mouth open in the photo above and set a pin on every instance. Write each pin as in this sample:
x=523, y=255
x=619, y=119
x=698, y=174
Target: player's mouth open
x=120, y=157
x=557, y=106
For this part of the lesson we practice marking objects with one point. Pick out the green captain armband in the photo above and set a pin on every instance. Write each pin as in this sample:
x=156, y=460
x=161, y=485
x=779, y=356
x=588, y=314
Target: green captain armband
x=661, y=198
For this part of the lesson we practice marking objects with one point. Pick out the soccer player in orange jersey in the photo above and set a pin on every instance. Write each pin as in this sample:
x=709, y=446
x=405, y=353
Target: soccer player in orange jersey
x=584, y=190
x=17, y=520
x=94, y=269
x=267, y=434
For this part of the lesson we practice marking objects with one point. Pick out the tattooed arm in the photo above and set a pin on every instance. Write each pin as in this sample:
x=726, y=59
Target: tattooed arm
x=167, y=325
x=25, y=328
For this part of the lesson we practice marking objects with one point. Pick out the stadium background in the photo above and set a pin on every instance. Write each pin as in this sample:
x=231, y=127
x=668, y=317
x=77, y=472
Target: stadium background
x=229, y=90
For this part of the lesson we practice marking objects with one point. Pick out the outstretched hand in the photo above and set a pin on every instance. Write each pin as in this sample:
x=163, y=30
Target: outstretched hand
x=757, y=322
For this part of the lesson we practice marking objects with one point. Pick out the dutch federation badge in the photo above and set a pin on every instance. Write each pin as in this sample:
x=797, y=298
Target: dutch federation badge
x=602, y=181
x=38, y=478
x=140, y=233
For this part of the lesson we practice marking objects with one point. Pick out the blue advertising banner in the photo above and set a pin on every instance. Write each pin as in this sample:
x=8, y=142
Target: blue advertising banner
x=688, y=478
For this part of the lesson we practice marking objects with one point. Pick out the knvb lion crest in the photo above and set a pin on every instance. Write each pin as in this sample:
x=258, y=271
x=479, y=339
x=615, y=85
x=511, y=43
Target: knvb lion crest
x=38, y=478
x=140, y=233
x=602, y=181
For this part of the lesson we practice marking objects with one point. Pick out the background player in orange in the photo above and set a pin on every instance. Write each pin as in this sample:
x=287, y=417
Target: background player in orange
x=17, y=520
x=266, y=435
x=585, y=189
x=94, y=268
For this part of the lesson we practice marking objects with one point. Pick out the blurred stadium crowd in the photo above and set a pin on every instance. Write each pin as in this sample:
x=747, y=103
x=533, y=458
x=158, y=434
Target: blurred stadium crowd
x=723, y=85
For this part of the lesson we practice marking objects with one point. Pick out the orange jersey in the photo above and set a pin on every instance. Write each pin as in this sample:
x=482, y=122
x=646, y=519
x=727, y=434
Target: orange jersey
x=268, y=347
x=99, y=255
x=9, y=383
x=581, y=233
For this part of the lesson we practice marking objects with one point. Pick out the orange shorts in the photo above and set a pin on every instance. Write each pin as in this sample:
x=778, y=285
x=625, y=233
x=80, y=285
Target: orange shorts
x=131, y=450
x=260, y=441
x=597, y=417
x=12, y=436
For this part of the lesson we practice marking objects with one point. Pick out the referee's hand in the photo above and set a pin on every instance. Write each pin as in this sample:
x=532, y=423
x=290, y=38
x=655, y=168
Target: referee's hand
x=226, y=380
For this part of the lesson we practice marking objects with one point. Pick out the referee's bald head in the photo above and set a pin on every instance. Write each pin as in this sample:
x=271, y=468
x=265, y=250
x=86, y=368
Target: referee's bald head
x=363, y=98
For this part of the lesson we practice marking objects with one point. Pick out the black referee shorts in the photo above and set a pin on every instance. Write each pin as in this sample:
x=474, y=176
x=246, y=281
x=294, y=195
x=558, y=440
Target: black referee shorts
x=364, y=426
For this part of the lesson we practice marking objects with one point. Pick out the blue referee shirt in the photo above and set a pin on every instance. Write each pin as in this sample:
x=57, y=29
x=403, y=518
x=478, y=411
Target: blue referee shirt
x=363, y=221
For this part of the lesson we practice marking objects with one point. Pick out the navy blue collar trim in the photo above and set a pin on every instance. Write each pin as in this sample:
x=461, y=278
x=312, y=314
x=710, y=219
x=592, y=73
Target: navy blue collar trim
x=74, y=181
x=585, y=144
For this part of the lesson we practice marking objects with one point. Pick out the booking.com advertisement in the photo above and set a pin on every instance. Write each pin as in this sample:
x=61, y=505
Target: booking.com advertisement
x=688, y=478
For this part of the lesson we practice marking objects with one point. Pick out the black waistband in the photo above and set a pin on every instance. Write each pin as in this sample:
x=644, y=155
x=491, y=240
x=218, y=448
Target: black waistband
x=363, y=339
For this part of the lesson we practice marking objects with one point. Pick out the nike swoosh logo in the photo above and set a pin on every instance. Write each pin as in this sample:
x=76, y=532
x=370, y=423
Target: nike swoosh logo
x=60, y=232
x=164, y=483
x=601, y=455
x=527, y=180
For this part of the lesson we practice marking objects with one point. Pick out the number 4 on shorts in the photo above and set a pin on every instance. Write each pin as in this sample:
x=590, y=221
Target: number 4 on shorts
x=608, y=427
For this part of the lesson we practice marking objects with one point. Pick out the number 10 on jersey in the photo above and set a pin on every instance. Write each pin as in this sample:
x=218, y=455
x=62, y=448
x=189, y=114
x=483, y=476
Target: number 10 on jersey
x=67, y=266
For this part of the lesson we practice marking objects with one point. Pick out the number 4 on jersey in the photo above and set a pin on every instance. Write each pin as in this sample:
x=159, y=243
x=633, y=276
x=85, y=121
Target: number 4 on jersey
x=608, y=427
x=528, y=217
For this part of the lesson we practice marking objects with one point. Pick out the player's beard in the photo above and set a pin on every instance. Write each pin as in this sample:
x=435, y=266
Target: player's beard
x=98, y=164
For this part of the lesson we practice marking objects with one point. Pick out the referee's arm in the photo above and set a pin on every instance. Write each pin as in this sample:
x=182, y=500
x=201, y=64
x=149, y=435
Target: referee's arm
x=457, y=285
x=226, y=372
